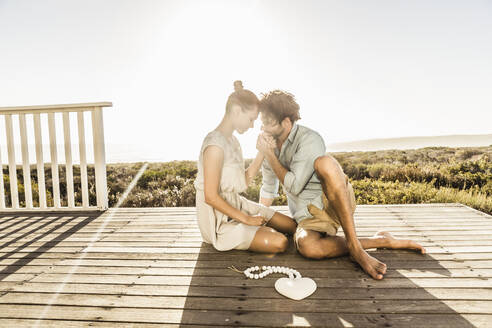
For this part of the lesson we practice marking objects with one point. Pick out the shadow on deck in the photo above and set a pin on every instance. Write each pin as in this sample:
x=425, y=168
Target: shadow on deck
x=43, y=231
x=346, y=296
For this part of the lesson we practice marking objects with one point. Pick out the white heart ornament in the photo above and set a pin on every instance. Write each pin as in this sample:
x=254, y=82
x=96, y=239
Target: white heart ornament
x=296, y=289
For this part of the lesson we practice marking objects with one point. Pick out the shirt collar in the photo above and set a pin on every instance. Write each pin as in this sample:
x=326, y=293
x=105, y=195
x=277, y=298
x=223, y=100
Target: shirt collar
x=292, y=133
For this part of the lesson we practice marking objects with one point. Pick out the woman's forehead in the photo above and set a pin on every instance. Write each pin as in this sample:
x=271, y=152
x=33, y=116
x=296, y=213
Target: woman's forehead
x=253, y=113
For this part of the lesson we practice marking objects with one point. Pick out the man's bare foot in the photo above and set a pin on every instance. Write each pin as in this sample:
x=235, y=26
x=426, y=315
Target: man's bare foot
x=369, y=264
x=394, y=243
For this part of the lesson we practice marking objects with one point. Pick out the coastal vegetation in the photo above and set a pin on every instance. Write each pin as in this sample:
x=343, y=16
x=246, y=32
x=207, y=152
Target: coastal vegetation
x=427, y=175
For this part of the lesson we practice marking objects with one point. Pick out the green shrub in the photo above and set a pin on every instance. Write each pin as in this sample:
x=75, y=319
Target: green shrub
x=428, y=175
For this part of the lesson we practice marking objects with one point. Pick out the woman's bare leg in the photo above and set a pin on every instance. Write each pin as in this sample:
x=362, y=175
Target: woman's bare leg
x=268, y=240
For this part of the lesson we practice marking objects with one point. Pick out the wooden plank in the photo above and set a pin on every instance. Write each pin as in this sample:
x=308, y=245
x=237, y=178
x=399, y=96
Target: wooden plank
x=250, y=304
x=240, y=317
x=192, y=232
x=198, y=243
x=116, y=239
x=223, y=272
x=256, y=292
x=242, y=257
x=208, y=250
x=177, y=219
x=366, y=282
x=337, y=263
x=29, y=323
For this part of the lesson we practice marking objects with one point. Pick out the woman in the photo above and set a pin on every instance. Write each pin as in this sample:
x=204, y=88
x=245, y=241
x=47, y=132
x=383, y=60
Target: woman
x=226, y=219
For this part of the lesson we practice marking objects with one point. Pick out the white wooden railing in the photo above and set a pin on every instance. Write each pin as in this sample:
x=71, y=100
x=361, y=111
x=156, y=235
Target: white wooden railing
x=95, y=110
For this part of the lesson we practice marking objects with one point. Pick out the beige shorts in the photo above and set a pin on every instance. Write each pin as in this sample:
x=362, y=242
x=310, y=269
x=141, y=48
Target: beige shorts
x=325, y=220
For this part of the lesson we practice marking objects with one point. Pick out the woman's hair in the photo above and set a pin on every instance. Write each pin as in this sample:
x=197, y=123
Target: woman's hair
x=242, y=97
x=279, y=104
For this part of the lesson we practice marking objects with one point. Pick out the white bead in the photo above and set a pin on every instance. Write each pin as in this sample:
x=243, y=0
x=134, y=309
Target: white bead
x=263, y=268
x=257, y=268
x=275, y=270
x=268, y=267
x=256, y=276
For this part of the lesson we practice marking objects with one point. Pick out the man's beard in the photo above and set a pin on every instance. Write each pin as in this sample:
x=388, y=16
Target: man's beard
x=277, y=135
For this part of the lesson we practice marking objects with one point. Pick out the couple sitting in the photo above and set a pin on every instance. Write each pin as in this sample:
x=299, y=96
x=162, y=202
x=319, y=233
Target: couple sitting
x=320, y=198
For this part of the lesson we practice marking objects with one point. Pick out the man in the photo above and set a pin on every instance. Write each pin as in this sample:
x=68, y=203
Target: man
x=320, y=198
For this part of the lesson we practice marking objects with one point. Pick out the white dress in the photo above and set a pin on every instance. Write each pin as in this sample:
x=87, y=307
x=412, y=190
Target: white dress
x=217, y=228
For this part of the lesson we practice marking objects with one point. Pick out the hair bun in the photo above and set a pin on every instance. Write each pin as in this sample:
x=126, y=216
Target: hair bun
x=238, y=85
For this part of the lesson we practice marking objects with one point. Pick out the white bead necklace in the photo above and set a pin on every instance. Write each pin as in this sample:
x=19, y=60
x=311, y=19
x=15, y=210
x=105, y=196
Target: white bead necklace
x=293, y=274
x=295, y=287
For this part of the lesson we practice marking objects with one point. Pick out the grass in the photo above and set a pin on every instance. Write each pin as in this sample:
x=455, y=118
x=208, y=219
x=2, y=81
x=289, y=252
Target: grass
x=427, y=175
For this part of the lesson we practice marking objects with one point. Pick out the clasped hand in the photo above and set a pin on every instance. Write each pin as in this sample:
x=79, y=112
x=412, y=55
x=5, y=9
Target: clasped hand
x=265, y=143
x=256, y=220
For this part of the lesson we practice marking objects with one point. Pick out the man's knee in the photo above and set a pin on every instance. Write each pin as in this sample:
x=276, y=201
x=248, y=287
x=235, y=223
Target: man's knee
x=310, y=248
x=330, y=172
x=324, y=165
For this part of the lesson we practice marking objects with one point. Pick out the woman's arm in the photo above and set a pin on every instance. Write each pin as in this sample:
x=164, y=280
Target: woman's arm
x=253, y=168
x=213, y=160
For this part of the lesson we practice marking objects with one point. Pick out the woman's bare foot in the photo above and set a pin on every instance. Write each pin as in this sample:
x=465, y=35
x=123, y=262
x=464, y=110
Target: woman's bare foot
x=394, y=243
x=369, y=264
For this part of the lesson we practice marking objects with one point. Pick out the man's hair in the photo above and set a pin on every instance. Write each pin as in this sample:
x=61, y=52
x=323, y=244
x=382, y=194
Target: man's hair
x=279, y=104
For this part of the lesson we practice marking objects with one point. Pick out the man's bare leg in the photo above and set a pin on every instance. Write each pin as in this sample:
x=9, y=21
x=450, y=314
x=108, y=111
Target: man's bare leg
x=334, y=185
x=282, y=223
x=313, y=244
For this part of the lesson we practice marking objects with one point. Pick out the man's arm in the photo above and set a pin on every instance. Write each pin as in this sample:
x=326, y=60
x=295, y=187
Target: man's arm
x=302, y=164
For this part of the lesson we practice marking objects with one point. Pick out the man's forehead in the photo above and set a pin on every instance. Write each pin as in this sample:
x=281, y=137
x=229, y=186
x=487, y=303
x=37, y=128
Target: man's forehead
x=266, y=117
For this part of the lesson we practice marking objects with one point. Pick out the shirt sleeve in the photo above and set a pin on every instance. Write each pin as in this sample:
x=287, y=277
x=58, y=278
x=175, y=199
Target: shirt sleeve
x=269, y=184
x=310, y=147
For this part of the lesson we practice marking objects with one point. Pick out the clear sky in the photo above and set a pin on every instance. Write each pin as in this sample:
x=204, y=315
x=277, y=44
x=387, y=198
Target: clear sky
x=359, y=69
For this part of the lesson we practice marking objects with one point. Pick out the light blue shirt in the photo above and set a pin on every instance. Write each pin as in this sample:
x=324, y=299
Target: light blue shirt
x=301, y=184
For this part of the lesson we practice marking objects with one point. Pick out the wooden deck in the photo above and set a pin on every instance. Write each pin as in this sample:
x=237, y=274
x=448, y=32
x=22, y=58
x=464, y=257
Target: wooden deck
x=148, y=267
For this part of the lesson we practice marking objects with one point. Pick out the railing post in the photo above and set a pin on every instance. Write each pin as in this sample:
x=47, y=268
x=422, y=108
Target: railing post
x=14, y=194
x=99, y=158
x=2, y=192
